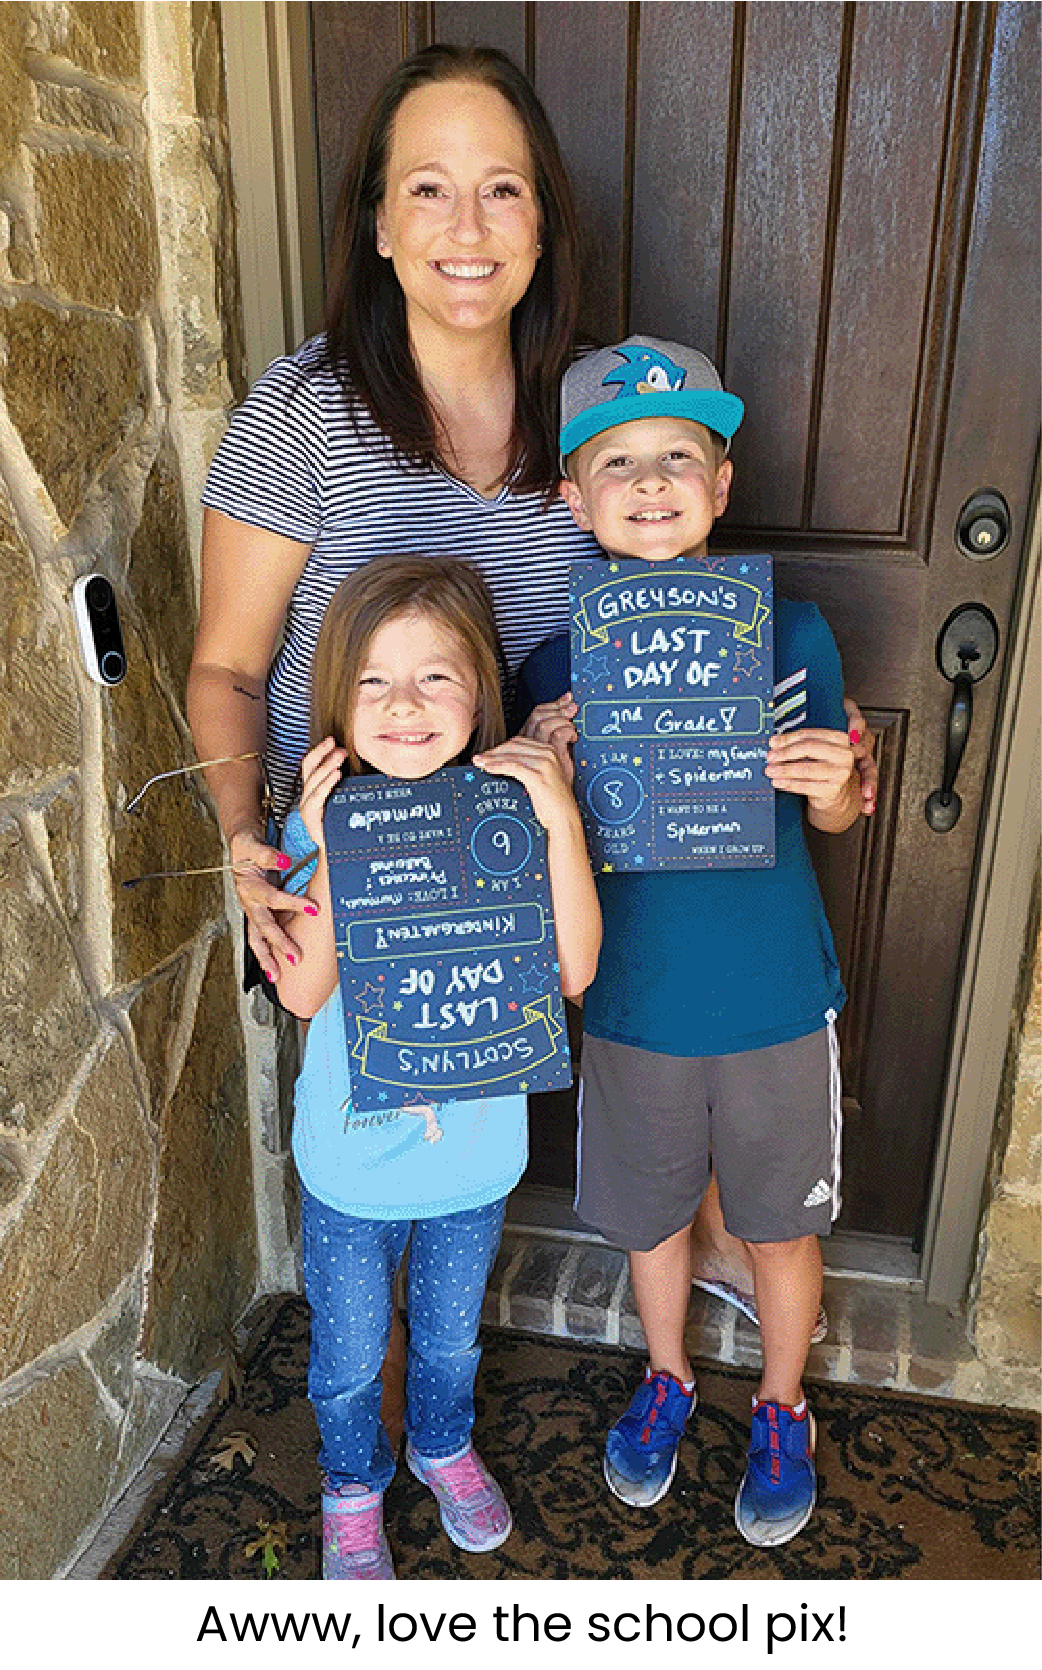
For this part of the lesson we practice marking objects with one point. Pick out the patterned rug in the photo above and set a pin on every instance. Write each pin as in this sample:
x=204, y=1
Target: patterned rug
x=908, y=1488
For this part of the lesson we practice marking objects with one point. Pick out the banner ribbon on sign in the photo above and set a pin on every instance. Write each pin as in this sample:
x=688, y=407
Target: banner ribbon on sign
x=436, y=1067
x=599, y=614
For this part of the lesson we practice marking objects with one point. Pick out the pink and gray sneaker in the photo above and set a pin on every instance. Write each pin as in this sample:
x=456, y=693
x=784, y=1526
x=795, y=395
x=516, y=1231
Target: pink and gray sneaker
x=354, y=1547
x=473, y=1509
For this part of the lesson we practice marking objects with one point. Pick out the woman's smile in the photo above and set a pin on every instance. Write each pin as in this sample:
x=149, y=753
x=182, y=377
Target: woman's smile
x=459, y=218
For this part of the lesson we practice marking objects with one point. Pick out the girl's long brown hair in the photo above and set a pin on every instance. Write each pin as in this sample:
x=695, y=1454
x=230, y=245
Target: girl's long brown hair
x=367, y=339
x=386, y=587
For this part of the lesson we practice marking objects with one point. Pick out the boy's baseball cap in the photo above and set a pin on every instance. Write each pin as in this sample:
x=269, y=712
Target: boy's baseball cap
x=640, y=378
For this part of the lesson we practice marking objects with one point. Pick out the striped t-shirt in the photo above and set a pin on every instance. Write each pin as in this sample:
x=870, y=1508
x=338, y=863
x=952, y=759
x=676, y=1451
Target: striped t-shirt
x=293, y=462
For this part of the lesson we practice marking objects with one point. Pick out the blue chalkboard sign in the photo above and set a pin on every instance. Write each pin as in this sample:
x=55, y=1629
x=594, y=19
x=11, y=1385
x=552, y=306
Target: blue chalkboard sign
x=672, y=669
x=445, y=944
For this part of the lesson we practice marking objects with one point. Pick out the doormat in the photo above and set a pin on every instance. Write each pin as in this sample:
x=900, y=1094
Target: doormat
x=907, y=1488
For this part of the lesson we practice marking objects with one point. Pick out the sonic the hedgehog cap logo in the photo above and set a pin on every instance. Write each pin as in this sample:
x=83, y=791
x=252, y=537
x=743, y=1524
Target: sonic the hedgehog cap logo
x=639, y=378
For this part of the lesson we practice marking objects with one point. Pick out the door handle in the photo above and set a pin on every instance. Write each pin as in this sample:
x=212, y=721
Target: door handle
x=967, y=645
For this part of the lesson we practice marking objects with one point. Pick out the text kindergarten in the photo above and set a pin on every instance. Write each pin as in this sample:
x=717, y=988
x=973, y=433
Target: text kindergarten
x=445, y=941
x=672, y=668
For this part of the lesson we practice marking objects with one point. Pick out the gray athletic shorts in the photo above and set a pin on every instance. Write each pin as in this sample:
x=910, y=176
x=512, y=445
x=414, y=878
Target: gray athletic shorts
x=768, y=1122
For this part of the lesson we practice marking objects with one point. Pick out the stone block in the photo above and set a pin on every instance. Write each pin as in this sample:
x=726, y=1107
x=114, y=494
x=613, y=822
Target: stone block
x=62, y=818
x=99, y=37
x=12, y=1175
x=174, y=828
x=207, y=68
x=160, y=572
x=96, y=231
x=154, y=1016
x=154, y=1401
x=75, y=391
x=39, y=701
x=193, y=211
x=84, y=1226
x=46, y=1017
x=59, y=1450
x=15, y=86
x=204, y=1249
x=114, y=1351
x=82, y=110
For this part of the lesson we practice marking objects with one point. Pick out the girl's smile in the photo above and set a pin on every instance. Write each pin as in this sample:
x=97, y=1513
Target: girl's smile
x=416, y=701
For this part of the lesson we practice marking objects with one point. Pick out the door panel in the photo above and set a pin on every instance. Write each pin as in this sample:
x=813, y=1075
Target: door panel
x=840, y=203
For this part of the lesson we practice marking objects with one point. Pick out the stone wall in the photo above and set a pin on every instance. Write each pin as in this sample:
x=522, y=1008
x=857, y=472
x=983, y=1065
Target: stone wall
x=1006, y=1300
x=128, y=1245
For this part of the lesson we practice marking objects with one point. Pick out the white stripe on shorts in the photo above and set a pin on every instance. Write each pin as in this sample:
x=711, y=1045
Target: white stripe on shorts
x=578, y=1140
x=835, y=1113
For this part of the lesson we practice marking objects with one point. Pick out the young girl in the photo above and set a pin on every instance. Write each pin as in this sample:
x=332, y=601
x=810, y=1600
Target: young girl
x=406, y=681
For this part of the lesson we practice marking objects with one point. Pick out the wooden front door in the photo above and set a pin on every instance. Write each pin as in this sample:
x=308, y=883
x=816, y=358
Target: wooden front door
x=839, y=203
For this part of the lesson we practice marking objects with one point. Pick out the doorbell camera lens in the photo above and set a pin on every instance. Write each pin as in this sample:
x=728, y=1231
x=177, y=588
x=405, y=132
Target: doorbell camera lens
x=100, y=596
x=98, y=630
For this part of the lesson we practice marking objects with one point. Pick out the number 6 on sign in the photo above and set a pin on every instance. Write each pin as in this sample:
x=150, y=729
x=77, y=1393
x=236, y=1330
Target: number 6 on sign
x=501, y=845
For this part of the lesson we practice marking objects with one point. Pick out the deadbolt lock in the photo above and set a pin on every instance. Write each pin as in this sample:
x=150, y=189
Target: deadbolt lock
x=982, y=530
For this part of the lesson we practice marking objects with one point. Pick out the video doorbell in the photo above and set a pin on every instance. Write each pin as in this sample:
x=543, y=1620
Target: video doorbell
x=97, y=626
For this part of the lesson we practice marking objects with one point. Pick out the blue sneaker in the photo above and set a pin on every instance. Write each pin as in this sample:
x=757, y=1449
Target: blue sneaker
x=640, y=1456
x=776, y=1497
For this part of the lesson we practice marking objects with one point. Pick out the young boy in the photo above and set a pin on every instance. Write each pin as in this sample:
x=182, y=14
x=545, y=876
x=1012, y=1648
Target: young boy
x=709, y=1030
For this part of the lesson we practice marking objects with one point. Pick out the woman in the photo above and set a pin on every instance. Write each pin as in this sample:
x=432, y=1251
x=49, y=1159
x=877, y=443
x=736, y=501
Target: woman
x=424, y=419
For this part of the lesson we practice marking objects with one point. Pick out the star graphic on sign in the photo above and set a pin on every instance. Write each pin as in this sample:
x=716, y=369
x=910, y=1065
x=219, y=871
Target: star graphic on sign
x=468, y=777
x=398, y=1004
x=743, y=568
x=530, y=982
x=746, y=662
x=597, y=663
x=512, y=1005
x=638, y=858
x=479, y=882
x=369, y=998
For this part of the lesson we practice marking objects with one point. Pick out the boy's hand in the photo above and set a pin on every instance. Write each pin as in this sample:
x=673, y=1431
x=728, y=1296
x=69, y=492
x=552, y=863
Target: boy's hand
x=320, y=772
x=537, y=767
x=551, y=722
x=817, y=764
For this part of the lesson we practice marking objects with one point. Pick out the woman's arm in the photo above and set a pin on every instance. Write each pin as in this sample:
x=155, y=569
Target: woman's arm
x=861, y=740
x=248, y=578
x=308, y=976
x=577, y=911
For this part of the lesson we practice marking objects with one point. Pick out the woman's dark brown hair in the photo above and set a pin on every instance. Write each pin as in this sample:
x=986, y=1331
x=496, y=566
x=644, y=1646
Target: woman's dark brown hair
x=367, y=340
x=383, y=589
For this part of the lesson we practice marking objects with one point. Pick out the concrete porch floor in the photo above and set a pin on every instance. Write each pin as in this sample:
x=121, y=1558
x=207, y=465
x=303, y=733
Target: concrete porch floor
x=882, y=1333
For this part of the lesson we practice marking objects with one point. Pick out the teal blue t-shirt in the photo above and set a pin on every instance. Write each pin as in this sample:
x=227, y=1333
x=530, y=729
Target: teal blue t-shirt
x=698, y=962
x=398, y=1163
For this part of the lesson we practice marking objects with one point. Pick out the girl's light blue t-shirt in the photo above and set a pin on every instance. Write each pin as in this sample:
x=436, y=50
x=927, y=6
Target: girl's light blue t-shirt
x=400, y=1163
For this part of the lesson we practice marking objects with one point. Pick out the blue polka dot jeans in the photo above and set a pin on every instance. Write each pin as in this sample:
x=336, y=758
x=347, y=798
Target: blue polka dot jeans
x=349, y=1272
